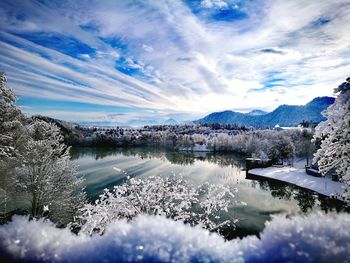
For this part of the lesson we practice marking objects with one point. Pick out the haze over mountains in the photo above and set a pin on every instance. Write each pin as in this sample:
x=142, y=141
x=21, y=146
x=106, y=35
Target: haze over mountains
x=257, y=112
x=284, y=115
x=171, y=121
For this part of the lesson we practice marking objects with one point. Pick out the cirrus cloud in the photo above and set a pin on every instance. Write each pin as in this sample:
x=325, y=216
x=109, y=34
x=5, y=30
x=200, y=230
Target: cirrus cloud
x=184, y=58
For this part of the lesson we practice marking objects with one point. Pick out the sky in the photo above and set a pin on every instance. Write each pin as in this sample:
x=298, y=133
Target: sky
x=137, y=62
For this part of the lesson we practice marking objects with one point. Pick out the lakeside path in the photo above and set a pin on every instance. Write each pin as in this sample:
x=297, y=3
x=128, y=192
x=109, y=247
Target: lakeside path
x=299, y=177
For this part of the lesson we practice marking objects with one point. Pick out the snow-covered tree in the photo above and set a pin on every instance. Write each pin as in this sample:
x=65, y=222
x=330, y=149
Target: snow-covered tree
x=334, y=133
x=35, y=164
x=13, y=136
x=12, y=125
x=47, y=172
x=172, y=197
x=279, y=147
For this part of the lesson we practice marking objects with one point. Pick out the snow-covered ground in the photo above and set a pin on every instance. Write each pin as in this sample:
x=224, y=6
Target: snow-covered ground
x=296, y=175
x=316, y=238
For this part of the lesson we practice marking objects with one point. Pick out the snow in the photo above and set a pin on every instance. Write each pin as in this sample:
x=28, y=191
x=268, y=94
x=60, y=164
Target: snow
x=117, y=169
x=316, y=238
x=148, y=239
x=46, y=208
x=298, y=176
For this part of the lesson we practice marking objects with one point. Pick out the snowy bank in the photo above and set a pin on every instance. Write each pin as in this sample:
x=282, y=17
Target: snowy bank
x=316, y=238
x=298, y=176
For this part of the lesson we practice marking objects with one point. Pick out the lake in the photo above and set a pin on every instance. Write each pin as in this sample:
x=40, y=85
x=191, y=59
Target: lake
x=100, y=167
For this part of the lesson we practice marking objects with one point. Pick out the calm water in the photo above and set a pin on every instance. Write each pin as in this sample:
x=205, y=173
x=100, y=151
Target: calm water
x=263, y=198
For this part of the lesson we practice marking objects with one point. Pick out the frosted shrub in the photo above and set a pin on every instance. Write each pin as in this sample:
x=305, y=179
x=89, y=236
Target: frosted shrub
x=213, y=199
x=171, y=197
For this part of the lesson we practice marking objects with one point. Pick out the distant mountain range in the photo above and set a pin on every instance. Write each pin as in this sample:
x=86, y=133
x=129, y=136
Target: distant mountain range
x=171, y=121
x=284, y=115
x=131, y=123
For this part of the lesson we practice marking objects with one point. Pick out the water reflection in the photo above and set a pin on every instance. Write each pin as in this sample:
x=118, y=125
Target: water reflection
x=264, y=197
x=175, y=157
x=305, y=199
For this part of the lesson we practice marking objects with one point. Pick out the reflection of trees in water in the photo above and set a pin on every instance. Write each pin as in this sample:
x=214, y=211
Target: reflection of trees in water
x=143, y=153
x=96, y=153
x=182, y=158
x=174, y=157
x=330, y=204
x=224, y=160
x=305, y=199
x=100, y=153
x=282, y=192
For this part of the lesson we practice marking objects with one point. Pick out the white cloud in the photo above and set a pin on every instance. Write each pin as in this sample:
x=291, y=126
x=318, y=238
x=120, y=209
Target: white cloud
x=187, y=60
x=214, y=4
x=85, y=56
x=147, y=48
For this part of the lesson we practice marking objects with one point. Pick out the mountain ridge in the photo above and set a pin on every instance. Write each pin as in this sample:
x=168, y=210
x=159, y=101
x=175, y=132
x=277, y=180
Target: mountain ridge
x=283, y=115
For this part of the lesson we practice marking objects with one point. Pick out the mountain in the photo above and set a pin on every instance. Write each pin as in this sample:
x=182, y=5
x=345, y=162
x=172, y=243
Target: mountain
x=141, y=122
x=284, y=115
x=257, y=113
x=171, y=121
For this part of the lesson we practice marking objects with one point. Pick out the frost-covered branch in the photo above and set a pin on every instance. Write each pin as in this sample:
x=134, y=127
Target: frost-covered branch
x=172, y=197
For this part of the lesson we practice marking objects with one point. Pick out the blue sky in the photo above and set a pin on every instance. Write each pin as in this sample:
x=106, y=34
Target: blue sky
x=137, y=61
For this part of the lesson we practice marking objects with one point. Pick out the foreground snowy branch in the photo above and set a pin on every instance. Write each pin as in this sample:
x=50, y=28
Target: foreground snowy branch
x=315, y=238
x=171, y=197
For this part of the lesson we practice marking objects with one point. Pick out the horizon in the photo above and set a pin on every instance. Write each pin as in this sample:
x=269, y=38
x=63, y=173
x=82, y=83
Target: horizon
x=139, y=124
x=120, y=61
